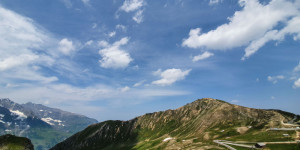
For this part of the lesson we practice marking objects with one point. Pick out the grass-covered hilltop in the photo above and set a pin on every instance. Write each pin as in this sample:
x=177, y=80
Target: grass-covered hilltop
x=203, y=124
x=11, y=142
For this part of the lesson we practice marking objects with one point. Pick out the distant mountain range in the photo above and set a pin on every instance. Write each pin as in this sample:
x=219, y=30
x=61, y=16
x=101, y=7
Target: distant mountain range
x=45, y=126
x=203, y=124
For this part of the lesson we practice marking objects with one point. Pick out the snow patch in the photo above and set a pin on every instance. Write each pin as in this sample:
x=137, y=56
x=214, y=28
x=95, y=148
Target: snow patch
x=2, y=121
x=167, y=139
x=8, y=130
x=20, y=114
x=52, y=121
x=1, y=115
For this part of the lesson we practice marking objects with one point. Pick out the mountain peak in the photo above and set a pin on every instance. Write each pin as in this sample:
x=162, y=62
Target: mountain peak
x=6, y=101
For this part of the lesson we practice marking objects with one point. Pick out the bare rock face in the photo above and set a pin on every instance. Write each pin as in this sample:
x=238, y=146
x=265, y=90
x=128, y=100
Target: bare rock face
x=196, y=119
x=9, y=142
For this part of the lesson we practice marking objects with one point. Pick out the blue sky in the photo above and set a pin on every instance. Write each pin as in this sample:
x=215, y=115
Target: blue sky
x=115, y=59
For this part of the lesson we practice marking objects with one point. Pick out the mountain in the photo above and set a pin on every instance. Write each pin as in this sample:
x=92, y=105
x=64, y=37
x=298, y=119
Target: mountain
x=43, y=125
x=11, y=142
x=197, y=125
x=59, y=119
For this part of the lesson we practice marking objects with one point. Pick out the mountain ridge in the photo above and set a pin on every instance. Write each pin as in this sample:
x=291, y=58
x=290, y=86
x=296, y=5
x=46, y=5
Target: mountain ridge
x=199, y=119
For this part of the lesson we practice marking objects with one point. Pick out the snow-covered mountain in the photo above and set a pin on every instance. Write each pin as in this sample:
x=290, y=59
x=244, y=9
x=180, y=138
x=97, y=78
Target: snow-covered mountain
x=40, y=123
x=16, y=122
x=60, y=119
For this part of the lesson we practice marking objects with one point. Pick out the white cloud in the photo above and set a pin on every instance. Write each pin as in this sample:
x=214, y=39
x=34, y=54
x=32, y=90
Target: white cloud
x=121, y=27
x=213, y=2
x=170, y=76
x=252, y=26
x=132, y=5
x=66, y=46
x=24, y=49
x=297, y=68
x=114, y=57
x=273, y=97
x=15, y=61
x=103, y=43
x=139, y=83
x=203, y=56
x=88, y=43
x=297, y=83
x=86, y=2
x=274, y=79
x=138, y=17
x=112, y=34
x=65, y=93
x=125, y=89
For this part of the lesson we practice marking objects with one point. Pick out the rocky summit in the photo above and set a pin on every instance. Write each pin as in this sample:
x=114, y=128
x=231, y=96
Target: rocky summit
x=203, y=124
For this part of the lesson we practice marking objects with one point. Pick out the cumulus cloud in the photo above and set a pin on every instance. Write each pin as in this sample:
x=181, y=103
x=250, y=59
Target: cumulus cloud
x=202, y=56
x=274, y=79
x=297, y=68
x=252, y=26
x=297, y=83
x=66, y=46
x=170, y=76
x=134, y=6
x=113, y=56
